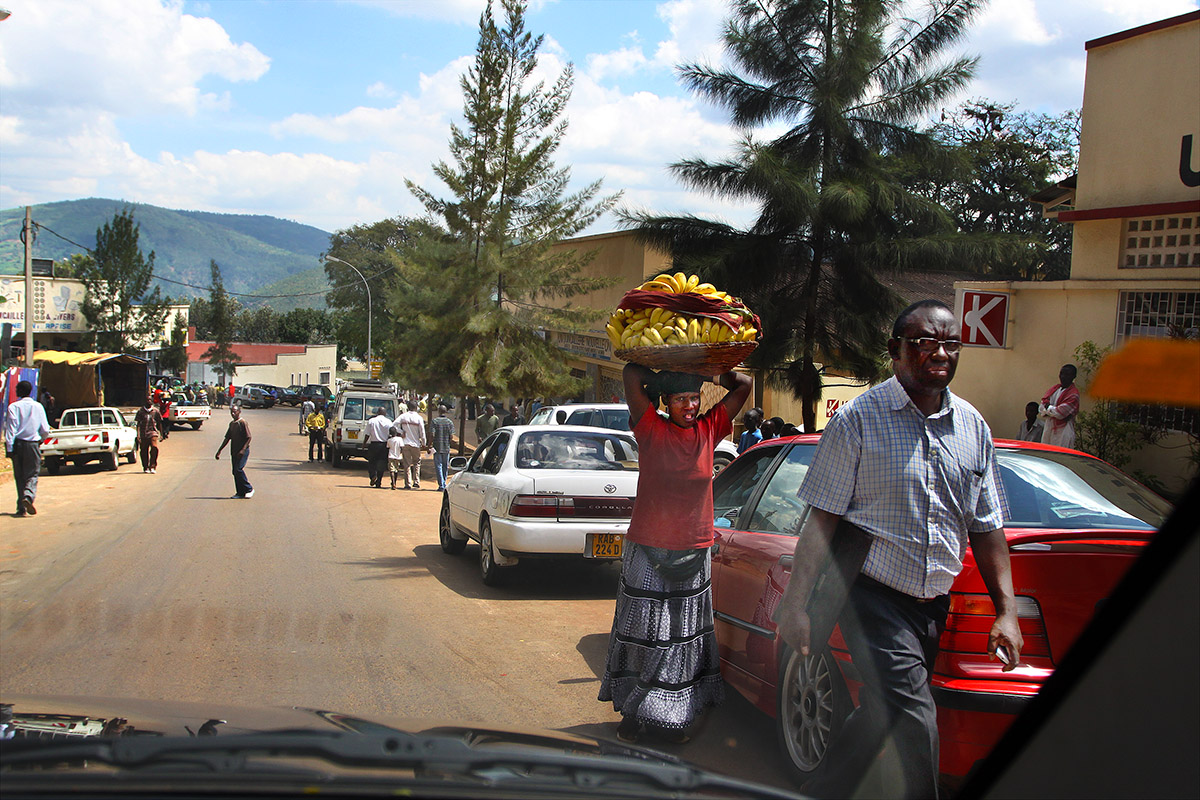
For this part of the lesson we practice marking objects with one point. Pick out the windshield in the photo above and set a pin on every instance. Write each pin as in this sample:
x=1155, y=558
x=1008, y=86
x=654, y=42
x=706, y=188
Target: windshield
x=1047, y=489
x=576, y=450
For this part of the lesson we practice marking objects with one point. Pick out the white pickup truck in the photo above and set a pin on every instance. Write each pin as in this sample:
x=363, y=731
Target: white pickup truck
x=184, y=412
x=90, y=434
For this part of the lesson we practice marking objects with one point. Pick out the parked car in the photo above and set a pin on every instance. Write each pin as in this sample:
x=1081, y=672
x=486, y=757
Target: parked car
x=291, y=395
x=1075, y=524
x=252, y=397
x=529, y=491
x=616, y=417
x=268, y=389
x=346, y=418
x=316, y=392
x=89, y=434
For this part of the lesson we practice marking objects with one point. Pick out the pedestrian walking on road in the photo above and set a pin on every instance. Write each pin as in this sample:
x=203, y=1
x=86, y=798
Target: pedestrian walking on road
x=442, y=429
x=237, y=436
x=486, y=424
x=315, y=424
x=164, y=414
x=25, y=426
x=412, y=428
x=914, y=467
x=378, y=430
x=148, y=421
x=663, y=665
x=306, y=409
x=1059, y=407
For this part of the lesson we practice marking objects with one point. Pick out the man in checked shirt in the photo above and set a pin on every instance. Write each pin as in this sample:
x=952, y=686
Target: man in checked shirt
x=914, y=466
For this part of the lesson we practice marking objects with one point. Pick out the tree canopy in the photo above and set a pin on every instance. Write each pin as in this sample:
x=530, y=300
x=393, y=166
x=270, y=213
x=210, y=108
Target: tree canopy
x=123, y=312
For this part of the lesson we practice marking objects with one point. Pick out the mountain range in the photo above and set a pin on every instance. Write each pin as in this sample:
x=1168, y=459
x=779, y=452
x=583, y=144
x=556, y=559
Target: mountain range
x=258, y=255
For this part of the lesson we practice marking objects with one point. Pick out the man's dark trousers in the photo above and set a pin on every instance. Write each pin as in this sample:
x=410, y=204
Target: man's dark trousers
x=27, y=463
x=893, y=640
x=316, y=438
x=377, y=462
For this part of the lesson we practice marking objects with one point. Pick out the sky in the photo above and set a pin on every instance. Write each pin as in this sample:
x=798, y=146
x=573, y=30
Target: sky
x=317, y=111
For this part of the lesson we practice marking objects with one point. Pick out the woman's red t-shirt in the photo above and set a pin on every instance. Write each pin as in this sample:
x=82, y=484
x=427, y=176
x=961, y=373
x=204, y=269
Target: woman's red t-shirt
x=674, y=505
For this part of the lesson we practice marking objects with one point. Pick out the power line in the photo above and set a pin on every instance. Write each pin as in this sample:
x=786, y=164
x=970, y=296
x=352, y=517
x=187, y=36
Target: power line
x=209, y=288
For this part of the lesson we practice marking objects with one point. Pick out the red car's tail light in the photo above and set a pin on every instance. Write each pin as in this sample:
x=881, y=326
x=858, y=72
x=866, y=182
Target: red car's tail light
x=970, y=620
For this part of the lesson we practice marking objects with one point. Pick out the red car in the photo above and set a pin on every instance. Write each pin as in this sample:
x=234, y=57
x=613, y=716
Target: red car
x=1075, y=525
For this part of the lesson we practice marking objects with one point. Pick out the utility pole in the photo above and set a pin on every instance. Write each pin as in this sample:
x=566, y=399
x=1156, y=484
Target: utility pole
x=27, y=235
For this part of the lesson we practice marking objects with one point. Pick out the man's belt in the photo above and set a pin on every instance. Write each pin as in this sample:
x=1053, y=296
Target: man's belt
x=871, y=583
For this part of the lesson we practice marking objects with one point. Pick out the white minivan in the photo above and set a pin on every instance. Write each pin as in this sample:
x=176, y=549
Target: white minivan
x=347, y=417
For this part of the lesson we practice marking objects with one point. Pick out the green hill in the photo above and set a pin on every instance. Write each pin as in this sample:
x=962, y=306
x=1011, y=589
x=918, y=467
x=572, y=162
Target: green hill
x=257, y=254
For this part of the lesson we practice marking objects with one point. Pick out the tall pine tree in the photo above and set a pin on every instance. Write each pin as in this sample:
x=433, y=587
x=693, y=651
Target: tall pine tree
x=123, y=312
x=221, y=323
x=476, y=281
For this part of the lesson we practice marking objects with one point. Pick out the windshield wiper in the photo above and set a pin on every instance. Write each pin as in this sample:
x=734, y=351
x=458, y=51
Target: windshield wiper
x=434, y=756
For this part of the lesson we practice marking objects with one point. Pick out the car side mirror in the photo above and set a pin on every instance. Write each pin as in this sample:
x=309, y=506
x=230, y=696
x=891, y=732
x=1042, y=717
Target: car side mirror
x=458, y=463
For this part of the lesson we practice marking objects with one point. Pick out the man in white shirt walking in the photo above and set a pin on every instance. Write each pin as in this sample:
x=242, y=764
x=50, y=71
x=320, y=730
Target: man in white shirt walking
x=412, y=427
x=25, y=426
x=377, y=428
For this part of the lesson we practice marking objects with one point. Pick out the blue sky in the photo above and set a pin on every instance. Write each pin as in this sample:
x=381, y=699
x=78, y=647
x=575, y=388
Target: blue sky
x=318, y=110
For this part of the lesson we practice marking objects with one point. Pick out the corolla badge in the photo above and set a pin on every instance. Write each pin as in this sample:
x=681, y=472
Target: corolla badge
x=610, y=488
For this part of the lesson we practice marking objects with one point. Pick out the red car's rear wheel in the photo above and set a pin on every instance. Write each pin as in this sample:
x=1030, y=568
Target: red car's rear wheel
x=811, y=705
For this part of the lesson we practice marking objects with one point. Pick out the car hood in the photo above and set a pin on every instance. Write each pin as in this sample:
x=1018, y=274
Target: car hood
x=132, y=735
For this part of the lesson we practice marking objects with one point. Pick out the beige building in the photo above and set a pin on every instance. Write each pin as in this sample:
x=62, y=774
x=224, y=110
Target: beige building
x=1135, y=266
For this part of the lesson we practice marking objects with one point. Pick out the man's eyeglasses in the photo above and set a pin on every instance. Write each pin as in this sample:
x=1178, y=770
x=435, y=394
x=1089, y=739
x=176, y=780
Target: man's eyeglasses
x=930, y=345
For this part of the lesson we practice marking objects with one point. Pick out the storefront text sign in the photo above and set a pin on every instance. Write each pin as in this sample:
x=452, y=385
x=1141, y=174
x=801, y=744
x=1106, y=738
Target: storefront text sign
x=591, y=346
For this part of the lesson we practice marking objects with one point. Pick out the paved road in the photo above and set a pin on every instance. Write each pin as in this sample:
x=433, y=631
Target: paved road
x=319, y=591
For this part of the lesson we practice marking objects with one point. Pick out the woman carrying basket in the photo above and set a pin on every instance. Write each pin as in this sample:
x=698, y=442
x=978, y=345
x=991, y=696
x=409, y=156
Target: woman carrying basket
x=662, y=664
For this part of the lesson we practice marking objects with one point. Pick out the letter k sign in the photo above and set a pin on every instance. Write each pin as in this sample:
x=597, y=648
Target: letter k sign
x=985, y=318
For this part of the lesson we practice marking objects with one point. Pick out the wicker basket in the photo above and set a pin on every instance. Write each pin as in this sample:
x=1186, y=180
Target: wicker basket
x=695, y=359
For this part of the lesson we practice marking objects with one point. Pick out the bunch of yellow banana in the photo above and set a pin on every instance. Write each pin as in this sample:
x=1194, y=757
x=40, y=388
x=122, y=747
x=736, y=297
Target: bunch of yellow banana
x=651, y=327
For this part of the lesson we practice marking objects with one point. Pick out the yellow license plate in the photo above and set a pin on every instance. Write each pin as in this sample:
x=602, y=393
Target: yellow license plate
x=351, y=434
x=607, y=545
x=71, y=452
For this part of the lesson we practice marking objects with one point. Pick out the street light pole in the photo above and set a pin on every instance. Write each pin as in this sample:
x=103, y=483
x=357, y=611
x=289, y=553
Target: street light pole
x=368, y=288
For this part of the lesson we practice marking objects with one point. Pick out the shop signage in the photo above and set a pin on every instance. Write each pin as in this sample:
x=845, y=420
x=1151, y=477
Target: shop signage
x=984, y=318
x=55, y=305
x=598, y=347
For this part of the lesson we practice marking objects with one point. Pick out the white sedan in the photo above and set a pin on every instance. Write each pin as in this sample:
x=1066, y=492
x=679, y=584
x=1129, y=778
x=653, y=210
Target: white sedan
x=565, y=491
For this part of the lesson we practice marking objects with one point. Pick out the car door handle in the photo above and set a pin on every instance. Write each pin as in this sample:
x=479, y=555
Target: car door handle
x=785, y=561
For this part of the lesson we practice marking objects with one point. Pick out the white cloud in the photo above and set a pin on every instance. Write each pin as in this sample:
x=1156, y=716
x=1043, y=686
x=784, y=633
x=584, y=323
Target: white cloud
x=125, y=56
x=381, y=90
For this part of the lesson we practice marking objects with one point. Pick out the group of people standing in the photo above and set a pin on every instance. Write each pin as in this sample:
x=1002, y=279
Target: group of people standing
x=1052, y=421
x=394, y=447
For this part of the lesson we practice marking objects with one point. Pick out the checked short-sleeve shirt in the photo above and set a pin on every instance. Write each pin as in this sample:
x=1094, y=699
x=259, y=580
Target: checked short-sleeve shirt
x=918, y=484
